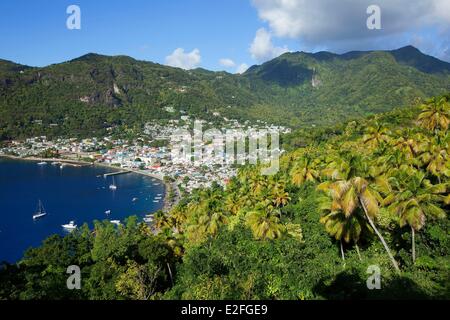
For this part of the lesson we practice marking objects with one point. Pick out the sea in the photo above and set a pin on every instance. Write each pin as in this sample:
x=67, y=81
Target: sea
x=79, y=194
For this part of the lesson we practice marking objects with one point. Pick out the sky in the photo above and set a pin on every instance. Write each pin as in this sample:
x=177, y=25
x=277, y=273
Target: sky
x=225, y=35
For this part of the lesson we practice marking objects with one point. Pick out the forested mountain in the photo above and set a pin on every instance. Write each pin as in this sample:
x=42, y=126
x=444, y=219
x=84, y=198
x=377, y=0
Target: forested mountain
x=93, y=92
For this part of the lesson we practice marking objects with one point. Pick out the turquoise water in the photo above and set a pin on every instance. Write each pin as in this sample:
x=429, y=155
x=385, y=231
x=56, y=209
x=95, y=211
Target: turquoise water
x=67, y=194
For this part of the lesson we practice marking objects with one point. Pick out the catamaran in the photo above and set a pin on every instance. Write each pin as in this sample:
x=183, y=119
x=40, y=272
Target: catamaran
x=70, y=226
x=40, y=212
x=113, y=185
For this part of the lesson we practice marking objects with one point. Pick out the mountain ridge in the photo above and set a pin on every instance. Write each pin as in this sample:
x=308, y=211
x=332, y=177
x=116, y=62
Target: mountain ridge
x=320, y=55
x=297, y=89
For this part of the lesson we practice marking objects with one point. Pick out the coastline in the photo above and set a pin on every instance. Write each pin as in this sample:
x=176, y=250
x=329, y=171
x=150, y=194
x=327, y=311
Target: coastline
x=79, y=163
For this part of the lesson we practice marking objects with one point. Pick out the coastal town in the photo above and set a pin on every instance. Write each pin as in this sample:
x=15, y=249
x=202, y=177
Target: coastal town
x=152, y=152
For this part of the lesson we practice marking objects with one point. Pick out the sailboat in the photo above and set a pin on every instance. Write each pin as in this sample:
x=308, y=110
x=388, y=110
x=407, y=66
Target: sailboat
x=40, y=212
x=113, y=185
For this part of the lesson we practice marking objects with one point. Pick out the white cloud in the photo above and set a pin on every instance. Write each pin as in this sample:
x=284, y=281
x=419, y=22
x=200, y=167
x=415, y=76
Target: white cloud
x=442, y=9
x=242, y=68
x=262, y=48
x=227, y=63
x=341, y=25
x=184, y=60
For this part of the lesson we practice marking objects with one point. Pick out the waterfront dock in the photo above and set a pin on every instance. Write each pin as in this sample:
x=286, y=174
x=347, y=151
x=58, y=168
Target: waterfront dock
x=116, y=173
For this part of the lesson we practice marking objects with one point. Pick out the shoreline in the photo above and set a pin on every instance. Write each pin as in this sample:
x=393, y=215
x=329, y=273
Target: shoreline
x=79, y=163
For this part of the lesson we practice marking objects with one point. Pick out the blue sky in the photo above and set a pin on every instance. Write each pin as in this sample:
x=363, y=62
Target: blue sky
x=35, y=33
x=244, y=31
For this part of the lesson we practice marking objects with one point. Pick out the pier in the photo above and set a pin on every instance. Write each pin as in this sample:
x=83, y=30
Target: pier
x=115, y=173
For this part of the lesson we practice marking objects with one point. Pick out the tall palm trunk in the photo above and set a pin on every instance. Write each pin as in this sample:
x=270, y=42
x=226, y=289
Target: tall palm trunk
x=342, y=252
x=170, y=273
x=357, y=251
x=394, y=263
x=413, y=235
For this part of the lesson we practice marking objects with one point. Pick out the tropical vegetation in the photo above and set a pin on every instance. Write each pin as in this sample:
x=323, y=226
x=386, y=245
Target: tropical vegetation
x=363, y=193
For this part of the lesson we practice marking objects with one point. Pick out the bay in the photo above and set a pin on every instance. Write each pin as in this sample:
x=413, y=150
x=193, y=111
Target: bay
x=71, y=193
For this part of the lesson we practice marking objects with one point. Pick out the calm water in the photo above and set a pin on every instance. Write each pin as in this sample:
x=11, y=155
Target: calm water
x=67, y=194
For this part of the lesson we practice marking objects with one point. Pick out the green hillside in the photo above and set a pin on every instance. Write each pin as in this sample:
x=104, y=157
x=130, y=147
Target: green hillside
x=374, y=194
x=88, y=94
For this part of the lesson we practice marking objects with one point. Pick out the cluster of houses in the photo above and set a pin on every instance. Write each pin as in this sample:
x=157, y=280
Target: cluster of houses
x=191, y=172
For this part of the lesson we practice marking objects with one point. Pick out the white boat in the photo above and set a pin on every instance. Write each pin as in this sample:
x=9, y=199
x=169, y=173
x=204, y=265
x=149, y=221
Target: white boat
x=116, y=222
x=108, y=212
x=43, y=163
x=70, y=226
x=148, y=219
x=40, y=212
x=135, y=199
x=113, y=185
x=156, y=201
x=158, y=198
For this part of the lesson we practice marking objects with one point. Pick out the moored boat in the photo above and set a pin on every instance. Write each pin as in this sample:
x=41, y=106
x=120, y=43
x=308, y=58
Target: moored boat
x=40, y=212
x=113, y=186
x=116, y=222
x=70, y=226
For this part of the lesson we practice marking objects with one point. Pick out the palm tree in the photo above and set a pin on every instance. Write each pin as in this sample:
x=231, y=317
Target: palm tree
x=414, y=199
x=257, y=184
x=178, y=219
x=435, y=157
x=233, y=203
x=212, y=222
x=336, y=169
x=341, y=222
x=376, y=135
x=280, y=196
x=305, y=170
x=161, y=220
x=389, y=162
x=435, y=115
x=264, y=224
x=354, y=193
x=408, y=146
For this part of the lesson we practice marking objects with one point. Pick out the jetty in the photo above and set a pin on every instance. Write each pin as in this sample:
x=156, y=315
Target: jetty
x=115, y=173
